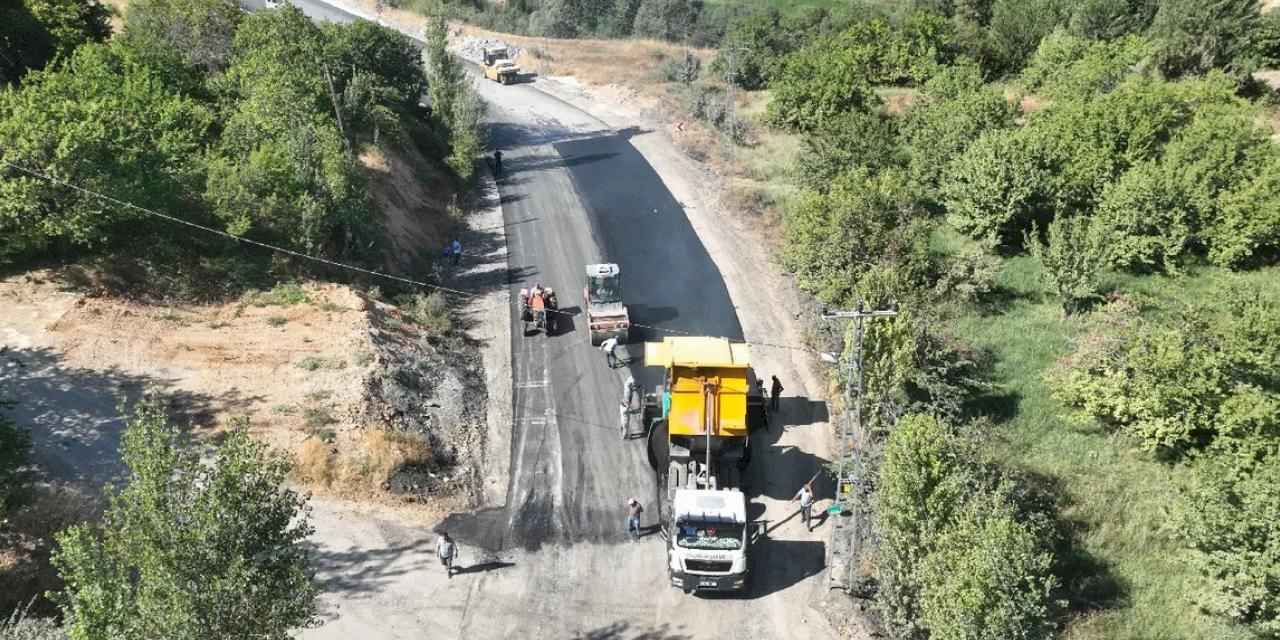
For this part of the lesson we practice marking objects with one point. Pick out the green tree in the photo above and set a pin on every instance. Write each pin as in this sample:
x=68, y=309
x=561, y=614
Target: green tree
x=871, y=219
x=1265, y=46
x=755, y=42
x=990, y=576
x=923, y=482
x=71, y=23
x=1016, y=28
x=825, y=79
x=1231, y=523
x=1195, y=36
x=1111, y=19
x=666, y=19
x=854, y=140
x=188, y=550
x=945, y=123
x=995, y=189
x=1068, y=66
x=1073, y=259
x=390, y=57
x=107, y=125
x=199, y=32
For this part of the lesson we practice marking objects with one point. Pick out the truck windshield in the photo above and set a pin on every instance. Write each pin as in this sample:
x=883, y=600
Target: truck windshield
x=710, y=535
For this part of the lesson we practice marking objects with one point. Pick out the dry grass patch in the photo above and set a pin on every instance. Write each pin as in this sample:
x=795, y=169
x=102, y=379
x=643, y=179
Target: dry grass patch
x=360, y=464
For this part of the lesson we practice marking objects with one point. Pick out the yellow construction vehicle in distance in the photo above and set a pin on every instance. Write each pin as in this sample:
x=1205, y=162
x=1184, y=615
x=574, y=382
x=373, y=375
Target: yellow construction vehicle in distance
x=498, y=65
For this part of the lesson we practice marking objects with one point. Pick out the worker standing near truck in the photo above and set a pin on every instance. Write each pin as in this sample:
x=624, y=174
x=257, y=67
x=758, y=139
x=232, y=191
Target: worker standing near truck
x=633, y=518
x=610, y=356
x=805, y=496
x=633, y=390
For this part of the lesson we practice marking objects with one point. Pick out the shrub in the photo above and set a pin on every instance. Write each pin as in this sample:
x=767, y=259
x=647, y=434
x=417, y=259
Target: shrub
x=430, y=310
x=1266, y=40
x=996, y=188
x=1231, y=524
x=684, y=70
x=989, y=577
x=1248, y=229
x=1073, y=259
x=870, y=220
x=969, y=276
x=666, y=19
x=1196, y=36
x=850, y=141
x=950, y=119
x=1111, y=19
x=1181, y=385
x=710, y=104
x=827, y=78
x=755, y=41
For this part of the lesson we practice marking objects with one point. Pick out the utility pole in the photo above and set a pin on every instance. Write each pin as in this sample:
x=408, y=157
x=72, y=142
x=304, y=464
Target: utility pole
x=732, y=121
x=845, y=532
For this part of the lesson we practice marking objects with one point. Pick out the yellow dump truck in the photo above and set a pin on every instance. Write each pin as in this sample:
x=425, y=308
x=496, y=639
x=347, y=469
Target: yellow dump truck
x=498, y=65
x=700, y=423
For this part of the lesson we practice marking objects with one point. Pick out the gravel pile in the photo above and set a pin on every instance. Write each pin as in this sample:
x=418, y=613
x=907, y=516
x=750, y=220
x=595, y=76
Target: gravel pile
x=472, y=48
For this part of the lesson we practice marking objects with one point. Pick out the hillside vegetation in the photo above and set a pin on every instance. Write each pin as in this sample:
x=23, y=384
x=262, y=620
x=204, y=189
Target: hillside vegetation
x=1075, y=207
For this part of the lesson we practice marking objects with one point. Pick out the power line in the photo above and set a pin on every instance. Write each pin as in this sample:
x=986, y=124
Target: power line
x=333, y=263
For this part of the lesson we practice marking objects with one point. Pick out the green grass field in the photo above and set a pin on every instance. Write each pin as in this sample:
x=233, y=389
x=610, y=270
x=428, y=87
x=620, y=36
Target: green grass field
x=1127, y=579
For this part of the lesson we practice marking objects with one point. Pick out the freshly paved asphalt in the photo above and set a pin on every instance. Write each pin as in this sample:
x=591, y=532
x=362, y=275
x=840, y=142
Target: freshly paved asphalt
x=575, y=192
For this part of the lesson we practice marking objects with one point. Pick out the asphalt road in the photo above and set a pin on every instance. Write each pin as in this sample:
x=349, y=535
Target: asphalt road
x=551, y=561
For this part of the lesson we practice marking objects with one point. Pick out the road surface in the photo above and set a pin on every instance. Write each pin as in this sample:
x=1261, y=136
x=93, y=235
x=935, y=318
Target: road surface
x=552, y=561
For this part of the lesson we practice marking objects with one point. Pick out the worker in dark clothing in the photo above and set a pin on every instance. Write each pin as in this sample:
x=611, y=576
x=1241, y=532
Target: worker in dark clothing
x=497, y=163
x=774, y=393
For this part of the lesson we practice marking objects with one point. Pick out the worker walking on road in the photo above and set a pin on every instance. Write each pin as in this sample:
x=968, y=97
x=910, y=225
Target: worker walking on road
x=446, y=550
x=633, y=518
x=624, y=412
x=456, y=249
x=497, y=163
x=775, y=392
x=633, y=390
x=609, y=348
x=805, y=496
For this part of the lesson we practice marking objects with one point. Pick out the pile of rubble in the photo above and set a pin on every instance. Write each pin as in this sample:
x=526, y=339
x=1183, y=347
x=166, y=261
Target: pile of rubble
x=472, y=47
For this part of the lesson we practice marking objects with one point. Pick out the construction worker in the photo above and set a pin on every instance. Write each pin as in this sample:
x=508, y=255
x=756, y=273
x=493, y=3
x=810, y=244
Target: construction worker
x=497, y=162
x=446, y=550
x=633, y=390
x=633, y=518
x=774, y=393
x=456, y=248
x=610, y=356
x=624, y=412
x=805, y=496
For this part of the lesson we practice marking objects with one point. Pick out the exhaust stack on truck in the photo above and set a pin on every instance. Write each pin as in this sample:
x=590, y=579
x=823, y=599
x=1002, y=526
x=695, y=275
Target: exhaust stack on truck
x=700, y=420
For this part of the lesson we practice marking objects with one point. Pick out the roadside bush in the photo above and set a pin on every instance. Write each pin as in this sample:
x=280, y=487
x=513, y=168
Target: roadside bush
x=870, y=220
x=1231, y=524
x=853, y=140
x=990, y=576
x=684, y=70
x=430, y=310
x=829, y=77
x=960, y=556
x=1073, y=259
x=1196, y=36
x=710, y=104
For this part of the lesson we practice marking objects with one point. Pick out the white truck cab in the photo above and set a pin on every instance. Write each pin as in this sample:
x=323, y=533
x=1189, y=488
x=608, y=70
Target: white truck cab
x=709, y=540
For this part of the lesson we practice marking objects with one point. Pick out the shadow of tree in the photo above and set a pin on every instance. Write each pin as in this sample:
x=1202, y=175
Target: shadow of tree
x=77, y=415
x=628, y=631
